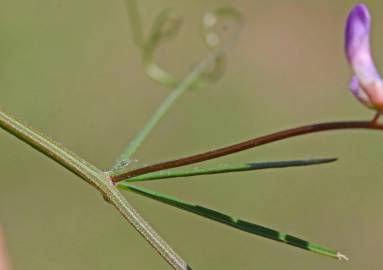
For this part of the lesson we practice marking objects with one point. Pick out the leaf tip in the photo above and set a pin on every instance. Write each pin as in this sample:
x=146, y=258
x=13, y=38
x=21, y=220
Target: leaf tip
x=330, y=160
x=342, y=257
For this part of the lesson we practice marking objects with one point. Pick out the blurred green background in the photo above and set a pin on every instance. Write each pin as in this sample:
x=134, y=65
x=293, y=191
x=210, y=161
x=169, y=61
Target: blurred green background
x=71, y=69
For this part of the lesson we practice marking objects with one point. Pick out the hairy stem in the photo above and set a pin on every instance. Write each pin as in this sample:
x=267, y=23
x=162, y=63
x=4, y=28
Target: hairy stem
x=96, y=178
x=278, y=136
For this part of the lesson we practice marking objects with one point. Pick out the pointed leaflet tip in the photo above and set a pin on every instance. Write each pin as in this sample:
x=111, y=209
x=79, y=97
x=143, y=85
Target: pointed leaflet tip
x=342, y=257
x=235, y=223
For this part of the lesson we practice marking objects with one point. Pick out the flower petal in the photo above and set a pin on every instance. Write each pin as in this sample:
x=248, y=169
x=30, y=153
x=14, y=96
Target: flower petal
x=358, y=53
x=358, y=43
x=358, y=92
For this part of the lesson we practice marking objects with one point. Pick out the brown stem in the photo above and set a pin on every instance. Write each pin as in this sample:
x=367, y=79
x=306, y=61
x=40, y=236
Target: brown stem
x=376, y=117
x=281, y=135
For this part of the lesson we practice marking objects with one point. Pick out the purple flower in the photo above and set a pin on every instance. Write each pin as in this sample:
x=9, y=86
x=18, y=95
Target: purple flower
x=366, y=85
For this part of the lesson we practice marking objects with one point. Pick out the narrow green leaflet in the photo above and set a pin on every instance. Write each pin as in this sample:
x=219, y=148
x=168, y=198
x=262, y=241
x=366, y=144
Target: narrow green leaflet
x=235, y=223
x=225, y=168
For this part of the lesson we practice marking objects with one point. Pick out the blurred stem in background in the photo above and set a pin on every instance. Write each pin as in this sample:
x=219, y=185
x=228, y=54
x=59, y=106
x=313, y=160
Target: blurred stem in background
x=4, y=262
x=135, y=23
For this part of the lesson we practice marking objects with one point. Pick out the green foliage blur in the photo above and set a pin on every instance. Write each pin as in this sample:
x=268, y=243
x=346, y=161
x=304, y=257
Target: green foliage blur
x=70, y=69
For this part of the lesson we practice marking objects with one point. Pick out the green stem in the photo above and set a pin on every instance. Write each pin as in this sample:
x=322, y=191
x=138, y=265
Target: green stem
x=235, y=222
x=157, y=116
x=225, y=168
x=184, y=85
x=96, y=178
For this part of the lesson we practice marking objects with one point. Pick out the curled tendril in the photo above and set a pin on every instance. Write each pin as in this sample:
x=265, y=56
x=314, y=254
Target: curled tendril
x=214, y=41
x=166, y=26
